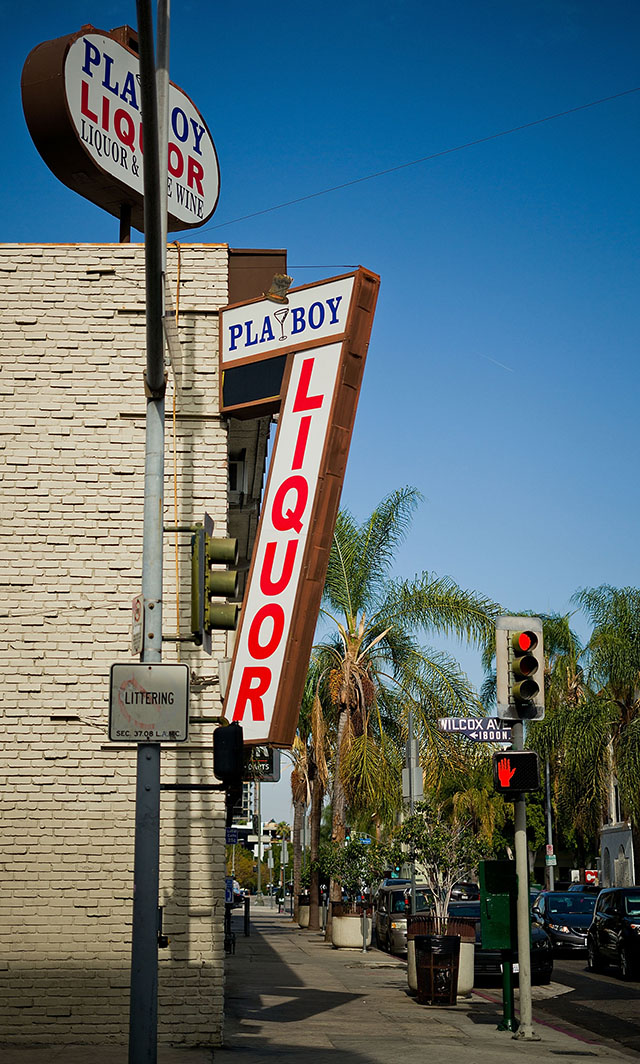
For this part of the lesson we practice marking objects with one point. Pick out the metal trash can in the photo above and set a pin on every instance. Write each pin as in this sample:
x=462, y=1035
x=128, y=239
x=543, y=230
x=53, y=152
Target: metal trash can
x=437, y=961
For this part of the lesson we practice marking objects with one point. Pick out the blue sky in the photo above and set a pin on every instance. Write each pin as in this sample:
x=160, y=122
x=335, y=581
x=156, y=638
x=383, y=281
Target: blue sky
x=502, y=378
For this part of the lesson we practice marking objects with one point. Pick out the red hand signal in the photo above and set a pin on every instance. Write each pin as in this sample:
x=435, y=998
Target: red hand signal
x=505, y=772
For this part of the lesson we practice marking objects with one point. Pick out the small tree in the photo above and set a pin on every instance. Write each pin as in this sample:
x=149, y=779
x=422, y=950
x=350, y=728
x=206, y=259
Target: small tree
x=355, y=865
x=446, y=852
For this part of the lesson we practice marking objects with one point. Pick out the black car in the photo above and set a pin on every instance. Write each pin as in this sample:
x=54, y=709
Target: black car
x=614, y=935
x=488, y=962
x=565, y=916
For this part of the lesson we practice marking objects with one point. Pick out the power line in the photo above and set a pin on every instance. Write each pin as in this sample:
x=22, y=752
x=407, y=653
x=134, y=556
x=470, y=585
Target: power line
x=424, y=159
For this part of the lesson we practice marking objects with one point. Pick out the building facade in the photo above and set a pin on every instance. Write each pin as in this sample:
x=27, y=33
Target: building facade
x=72, y=319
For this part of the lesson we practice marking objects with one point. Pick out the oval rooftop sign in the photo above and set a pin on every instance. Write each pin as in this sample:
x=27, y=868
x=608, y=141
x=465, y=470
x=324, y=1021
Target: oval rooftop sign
x=81, y=100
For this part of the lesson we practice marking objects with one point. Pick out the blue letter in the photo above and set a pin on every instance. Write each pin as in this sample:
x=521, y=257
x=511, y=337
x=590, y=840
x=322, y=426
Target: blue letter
x=174, y=124
x=333, y=305
x=319, y=315
x=267, y=331
x=91, y=57
x=236, y=333
x=198, y=130
x=297, y=315
x=128, y=93
x=108, y=63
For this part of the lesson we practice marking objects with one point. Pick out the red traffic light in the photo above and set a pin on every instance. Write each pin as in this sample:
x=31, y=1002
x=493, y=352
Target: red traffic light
x=524, y=641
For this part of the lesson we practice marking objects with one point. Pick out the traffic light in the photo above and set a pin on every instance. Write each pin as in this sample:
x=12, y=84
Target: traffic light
x=228, y=764
x=228, y=754
x=516, y=771
x=519, y=668
x=209, y=582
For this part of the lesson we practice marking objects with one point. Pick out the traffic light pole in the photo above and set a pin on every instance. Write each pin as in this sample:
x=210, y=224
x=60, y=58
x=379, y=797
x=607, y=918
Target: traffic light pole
x=525, y=1030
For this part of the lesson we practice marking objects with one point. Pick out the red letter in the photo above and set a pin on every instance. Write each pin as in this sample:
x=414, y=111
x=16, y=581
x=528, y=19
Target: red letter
x=105, y=113
x=268, y=585
x=284, y=522
x=303, y=400
x=252, y=694
x=124, y=127
x=177, y=168
x=195, y=173
x=301, y=442
x=84, y=102
x=254, y=646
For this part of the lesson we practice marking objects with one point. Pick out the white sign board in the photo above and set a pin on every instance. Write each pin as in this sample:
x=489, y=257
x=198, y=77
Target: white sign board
x=256, y=330
x=277, y=568
x=149, y=703
x=102, y=88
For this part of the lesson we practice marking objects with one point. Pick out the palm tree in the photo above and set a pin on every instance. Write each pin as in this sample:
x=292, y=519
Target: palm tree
x=614, y=670
x=374, y=670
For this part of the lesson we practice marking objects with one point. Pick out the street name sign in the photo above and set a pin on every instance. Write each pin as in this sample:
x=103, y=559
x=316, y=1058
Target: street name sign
x=481, y=729
x=149, y=703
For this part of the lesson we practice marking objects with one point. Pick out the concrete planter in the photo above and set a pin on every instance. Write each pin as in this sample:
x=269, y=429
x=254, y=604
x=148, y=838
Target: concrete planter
x=346, y=931
x=303, y=915
x=465, y=969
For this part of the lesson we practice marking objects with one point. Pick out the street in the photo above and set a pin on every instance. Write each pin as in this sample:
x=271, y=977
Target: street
x=599, y=1004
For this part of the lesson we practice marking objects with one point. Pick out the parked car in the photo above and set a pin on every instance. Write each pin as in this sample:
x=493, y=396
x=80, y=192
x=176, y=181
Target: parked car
x=393, y=905
x=584, y=888
x=565, y=916
x=614, y=935
x=488, y=962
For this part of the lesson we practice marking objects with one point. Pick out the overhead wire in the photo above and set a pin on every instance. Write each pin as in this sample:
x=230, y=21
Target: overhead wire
x=424, y=159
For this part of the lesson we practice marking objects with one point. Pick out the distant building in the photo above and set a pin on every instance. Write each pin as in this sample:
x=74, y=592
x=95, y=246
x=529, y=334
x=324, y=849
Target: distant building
x=72, y=426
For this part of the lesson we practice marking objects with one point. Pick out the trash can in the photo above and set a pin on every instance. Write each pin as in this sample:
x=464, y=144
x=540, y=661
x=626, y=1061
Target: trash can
x=437, y=960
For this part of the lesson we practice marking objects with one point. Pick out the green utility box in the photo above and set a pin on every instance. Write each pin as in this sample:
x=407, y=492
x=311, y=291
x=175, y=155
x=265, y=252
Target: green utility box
x=498, y=896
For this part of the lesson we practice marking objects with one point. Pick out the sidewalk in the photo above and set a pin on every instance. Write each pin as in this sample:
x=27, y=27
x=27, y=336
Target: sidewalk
x=292, y=998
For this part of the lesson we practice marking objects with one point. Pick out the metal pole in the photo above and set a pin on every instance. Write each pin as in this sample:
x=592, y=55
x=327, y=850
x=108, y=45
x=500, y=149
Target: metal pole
x=411, y=766
x=525, y=1030
x=143, y=1015
x=259, y=883
x=547, y=800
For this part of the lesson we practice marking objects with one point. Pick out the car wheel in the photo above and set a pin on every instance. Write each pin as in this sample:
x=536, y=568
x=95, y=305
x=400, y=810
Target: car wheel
x=627, y=970
x=388, y=944
x=594, y=964
x=541, y=980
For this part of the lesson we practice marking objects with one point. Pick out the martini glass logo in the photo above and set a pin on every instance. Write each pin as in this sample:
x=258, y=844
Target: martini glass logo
x=280, y=316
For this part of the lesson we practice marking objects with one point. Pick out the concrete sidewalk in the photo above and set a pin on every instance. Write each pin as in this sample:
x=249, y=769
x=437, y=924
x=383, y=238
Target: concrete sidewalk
x=293, y=998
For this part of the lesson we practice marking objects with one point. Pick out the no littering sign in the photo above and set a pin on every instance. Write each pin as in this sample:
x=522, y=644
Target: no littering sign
x=149, y=703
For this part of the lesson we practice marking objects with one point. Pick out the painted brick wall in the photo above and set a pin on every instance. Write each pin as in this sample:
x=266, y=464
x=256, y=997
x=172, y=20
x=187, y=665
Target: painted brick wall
x=72, y=332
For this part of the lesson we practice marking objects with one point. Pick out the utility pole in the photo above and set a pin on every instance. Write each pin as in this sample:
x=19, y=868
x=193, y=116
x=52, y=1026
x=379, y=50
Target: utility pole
x=547, y=801
x=143, y=1016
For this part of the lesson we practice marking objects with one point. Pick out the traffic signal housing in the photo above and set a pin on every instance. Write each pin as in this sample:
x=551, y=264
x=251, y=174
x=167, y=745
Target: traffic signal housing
x=516, y=771
x=228, y=764
x=519, y=668
x=210, y=584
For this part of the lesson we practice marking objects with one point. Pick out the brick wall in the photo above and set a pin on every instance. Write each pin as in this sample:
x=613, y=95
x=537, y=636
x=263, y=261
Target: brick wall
x=72, y=461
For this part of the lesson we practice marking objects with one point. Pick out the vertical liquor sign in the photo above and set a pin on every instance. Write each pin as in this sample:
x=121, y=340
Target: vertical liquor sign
x=320, y=338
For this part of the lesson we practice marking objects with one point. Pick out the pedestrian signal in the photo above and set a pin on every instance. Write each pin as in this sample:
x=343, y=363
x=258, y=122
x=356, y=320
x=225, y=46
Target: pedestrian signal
x=516, y=771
